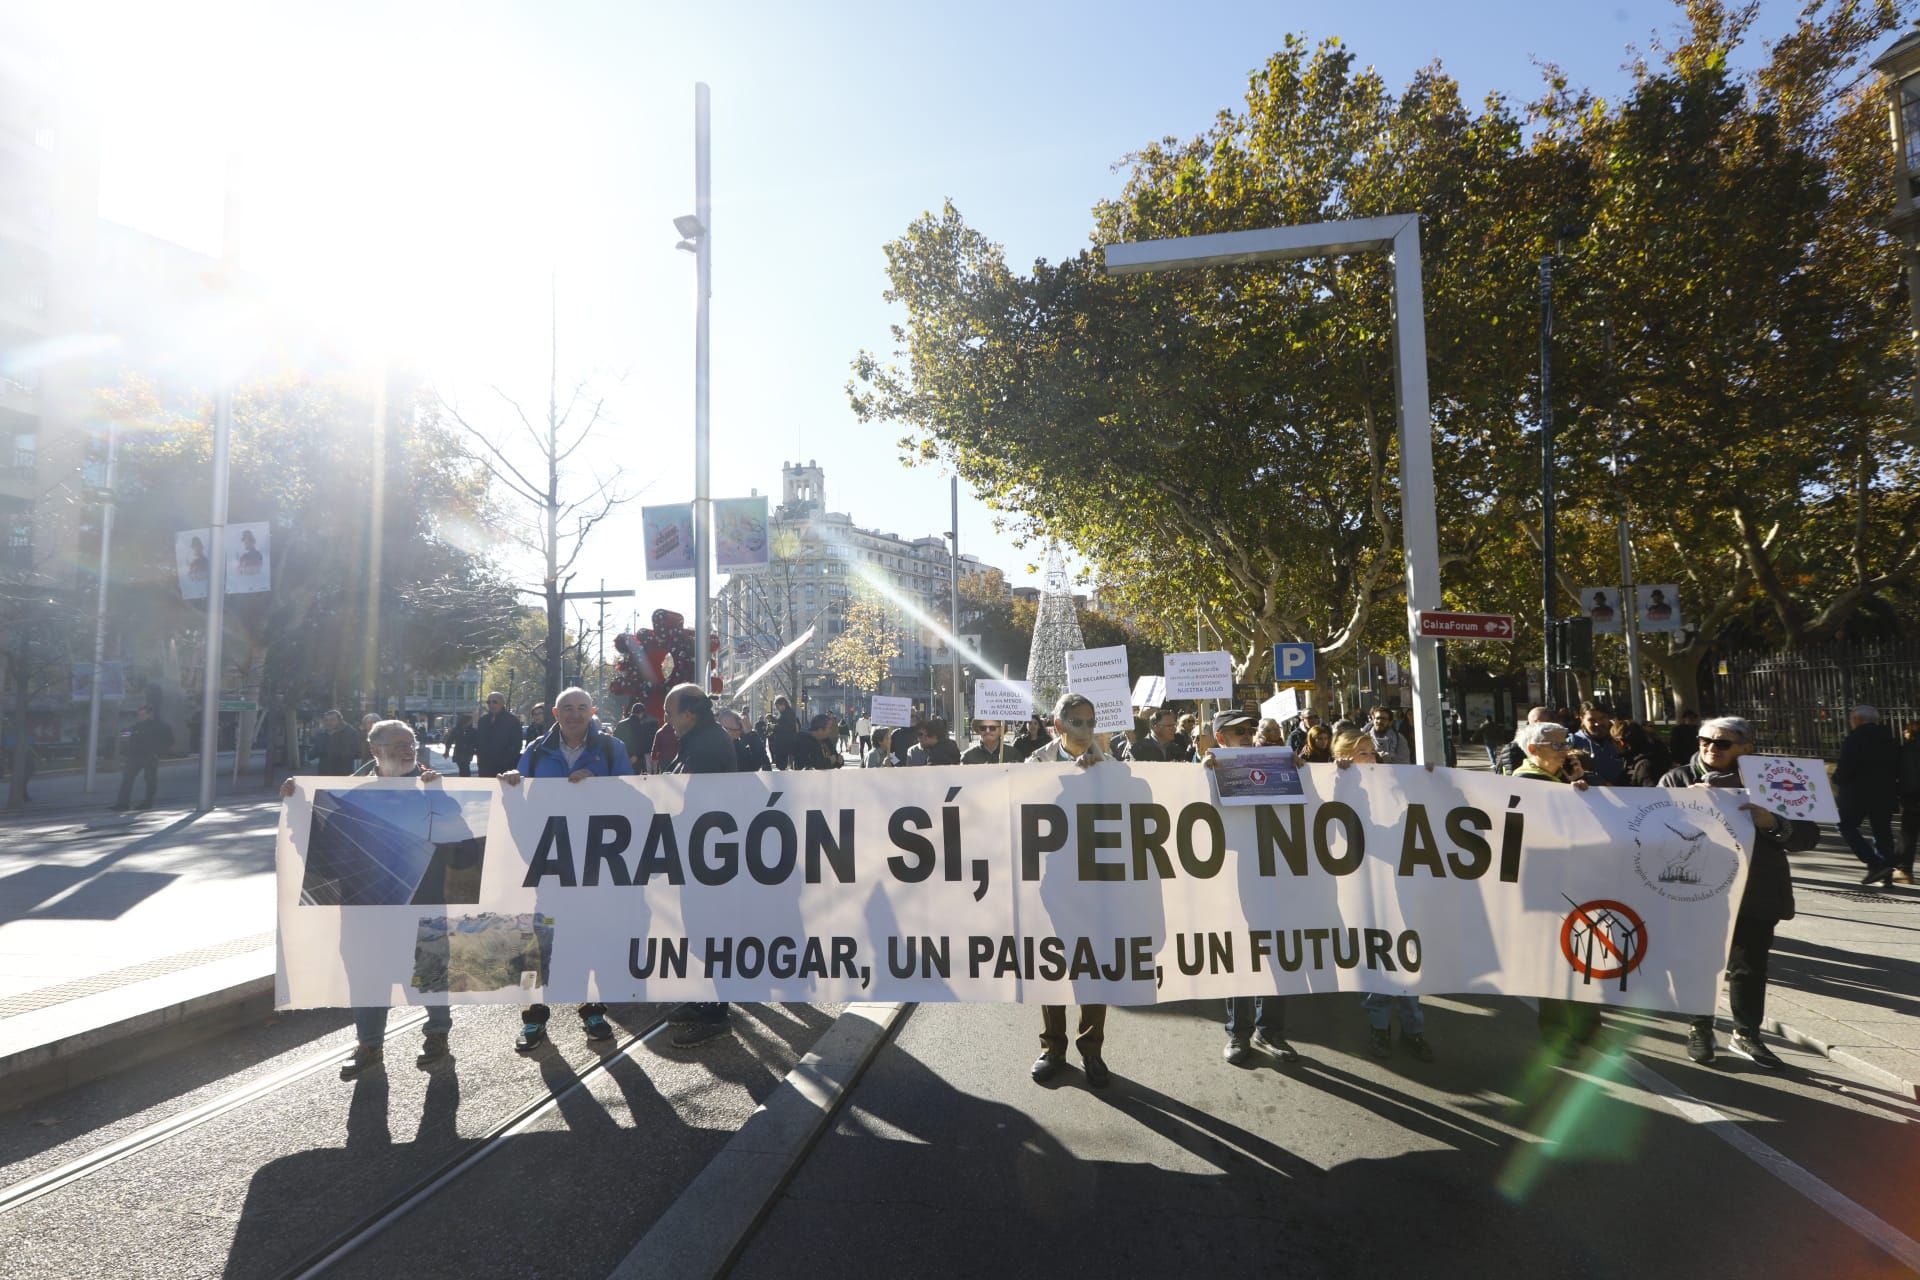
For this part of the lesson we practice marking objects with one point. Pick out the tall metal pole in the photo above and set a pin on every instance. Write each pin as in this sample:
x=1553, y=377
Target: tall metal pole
x=1420, y=522
x=1546, y=472
x=100, y=607
x=216, y=595
x=1629, y=619
x=702, y=503
x=953, y=619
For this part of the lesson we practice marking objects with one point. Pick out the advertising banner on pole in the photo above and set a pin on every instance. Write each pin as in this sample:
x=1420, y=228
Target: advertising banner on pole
x=739, y=534
x=113, y=685
x=668, y=534
x=1658, y=607
x=1010, y=701
x=191, y=563
x=249, y=558
x=1128, y=884
x=1199, y=676
x=1602, y=606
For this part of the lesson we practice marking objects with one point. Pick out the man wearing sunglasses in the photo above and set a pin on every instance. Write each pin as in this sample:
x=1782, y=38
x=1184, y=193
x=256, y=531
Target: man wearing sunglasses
x=1073, y=742
x=1767, y=900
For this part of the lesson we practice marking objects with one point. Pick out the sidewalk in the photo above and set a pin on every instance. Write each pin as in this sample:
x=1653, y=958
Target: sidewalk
x=65, y=789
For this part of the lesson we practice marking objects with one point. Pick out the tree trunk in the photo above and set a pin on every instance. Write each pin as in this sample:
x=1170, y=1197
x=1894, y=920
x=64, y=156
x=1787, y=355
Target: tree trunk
x=554, y=650
x=1682, y=671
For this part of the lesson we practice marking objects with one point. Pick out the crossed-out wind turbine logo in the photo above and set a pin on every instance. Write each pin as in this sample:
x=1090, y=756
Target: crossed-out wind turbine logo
x=1603, y=940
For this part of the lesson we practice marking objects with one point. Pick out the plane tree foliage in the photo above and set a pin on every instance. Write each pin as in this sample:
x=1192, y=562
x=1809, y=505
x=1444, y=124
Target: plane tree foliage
x=1730, y=328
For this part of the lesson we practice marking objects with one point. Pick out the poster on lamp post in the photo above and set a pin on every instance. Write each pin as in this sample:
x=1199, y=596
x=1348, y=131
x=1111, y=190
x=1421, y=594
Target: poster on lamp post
x=1602, y=607
x=668, y=534
x=249, y=558
x=740, y=534
x=191, y=562
x=1659, y=607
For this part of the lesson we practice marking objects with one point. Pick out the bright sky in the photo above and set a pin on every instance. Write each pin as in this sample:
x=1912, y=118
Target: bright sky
x=418, y=170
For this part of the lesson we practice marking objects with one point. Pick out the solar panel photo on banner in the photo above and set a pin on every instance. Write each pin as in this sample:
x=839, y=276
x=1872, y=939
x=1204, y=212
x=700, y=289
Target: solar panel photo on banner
x=373, y=847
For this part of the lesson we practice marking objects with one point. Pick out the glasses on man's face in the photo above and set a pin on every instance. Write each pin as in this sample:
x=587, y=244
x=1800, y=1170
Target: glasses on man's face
x=1079, y=724
x=1717, y=744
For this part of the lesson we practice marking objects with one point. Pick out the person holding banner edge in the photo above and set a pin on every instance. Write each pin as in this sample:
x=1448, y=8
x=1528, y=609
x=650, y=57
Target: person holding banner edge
x=1764, y=903
x=395, y=755
x=1073, y=742
x=1566, y=1025
x=571, y=751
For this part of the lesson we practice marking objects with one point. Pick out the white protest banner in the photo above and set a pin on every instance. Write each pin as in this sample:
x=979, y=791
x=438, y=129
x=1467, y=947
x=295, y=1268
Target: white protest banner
x=896, y=713
x=1085, y=665
x=1016, y=883
x=1281, y=707
x=1200, y=676
x=1790, y=787
x=1010, y=701
x=1112, y=703
x=1149, y=691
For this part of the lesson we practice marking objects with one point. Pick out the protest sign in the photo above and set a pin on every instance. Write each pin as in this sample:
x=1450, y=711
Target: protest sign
x=1199, y=676
x=895, y=713
x=1007, y=700
x=1790, y=787
x=1112, y=703
x=1149, y=691
x=1030, y=883
x=1257, y=775
x=1084, y=665
x=1281, y=707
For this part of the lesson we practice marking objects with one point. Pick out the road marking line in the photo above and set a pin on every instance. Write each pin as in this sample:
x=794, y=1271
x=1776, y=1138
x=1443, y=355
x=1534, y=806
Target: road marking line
x=1856, y=1217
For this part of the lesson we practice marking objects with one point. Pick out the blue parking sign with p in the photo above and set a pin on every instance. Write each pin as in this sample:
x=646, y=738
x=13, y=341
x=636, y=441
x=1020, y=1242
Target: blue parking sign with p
x=1292, y=661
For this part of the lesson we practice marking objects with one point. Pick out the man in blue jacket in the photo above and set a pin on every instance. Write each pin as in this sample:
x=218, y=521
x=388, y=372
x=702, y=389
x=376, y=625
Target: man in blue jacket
x=572, y=751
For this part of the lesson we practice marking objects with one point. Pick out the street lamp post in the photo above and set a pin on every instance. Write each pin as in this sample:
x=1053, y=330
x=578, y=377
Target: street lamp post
x=1899, y=69
x=216, y=595
x=1398, y=236
x=697, y=238
x=100, y=607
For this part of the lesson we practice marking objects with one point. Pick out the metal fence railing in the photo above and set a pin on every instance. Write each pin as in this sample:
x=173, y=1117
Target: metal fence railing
x=1799, y=699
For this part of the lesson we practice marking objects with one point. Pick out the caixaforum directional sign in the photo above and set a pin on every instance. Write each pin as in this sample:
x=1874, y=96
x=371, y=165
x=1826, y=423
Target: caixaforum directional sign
x=1438, y=625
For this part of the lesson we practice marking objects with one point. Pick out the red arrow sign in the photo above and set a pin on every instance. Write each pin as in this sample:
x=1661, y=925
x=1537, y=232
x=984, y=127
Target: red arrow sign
x=1436, y=625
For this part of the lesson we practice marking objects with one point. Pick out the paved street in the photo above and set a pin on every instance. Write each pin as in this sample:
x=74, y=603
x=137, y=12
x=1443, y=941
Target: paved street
x=943, y=1158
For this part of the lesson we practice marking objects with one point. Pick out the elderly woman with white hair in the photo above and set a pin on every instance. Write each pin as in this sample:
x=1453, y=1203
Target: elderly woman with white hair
x=1768, y=898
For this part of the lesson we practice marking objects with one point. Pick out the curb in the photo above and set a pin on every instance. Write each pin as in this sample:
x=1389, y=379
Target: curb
x=60, y=1063
x=704, y=1230
x=1793, y=1035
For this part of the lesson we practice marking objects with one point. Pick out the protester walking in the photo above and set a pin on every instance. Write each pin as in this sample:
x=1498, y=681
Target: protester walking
x=704, y=748
x=570, y=750
x=1764, y=903
x=1073, y=743
x=935, y=746
x=784, y=733
x=1493, y=737
x=880, y=754
x=1033, y=736
x=992, y=747
x=818, y=747
x=335, y=746
x=395, y=754
x=1595, y=737
x=1350, y=748
x=1566, y=1025
x=1386, y=739
x=1866, y=786
x=463, y=741
x=497, y=738
x=1909, y=800
x=147, y=740
x=636, y=731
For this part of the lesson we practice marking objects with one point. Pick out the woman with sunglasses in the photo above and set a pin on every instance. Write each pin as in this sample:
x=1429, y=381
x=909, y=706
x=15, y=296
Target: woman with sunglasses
x=1767, y=900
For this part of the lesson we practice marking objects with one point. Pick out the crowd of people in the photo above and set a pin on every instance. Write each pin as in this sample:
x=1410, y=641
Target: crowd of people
x=1592, y=748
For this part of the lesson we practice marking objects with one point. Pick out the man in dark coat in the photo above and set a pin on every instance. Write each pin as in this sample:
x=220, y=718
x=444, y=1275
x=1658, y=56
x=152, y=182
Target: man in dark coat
x=1766, y=901
x=1156, y=746
x=704, y=748
x=1866, y=786
x=147, y=741
x=497, y=739
x=637, y=731
x=993, y=747
x=818, y=747
x=335, y=745
x=784, y=733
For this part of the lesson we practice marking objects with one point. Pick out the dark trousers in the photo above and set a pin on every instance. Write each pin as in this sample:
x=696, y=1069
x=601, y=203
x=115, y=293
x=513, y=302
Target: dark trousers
x=1247, y=1014
x=1909, y=829
x=149, y=770
x=1092, y=1032
x=540, y=1013
x=1570, y=1019
x=1878, y=815
x=1746, y=975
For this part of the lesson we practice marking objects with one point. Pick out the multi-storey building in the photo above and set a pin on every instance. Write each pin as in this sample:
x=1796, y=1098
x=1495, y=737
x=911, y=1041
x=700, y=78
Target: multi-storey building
x=821, y=562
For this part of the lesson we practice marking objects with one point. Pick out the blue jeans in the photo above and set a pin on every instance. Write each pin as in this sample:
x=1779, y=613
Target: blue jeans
x=1380, y=1007
x=370, y=1024
x=1246, y=1014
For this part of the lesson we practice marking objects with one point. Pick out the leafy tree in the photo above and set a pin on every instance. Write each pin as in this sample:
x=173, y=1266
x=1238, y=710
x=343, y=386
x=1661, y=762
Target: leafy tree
x=861, y=656
x=372, y=578
x=1227, y=437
